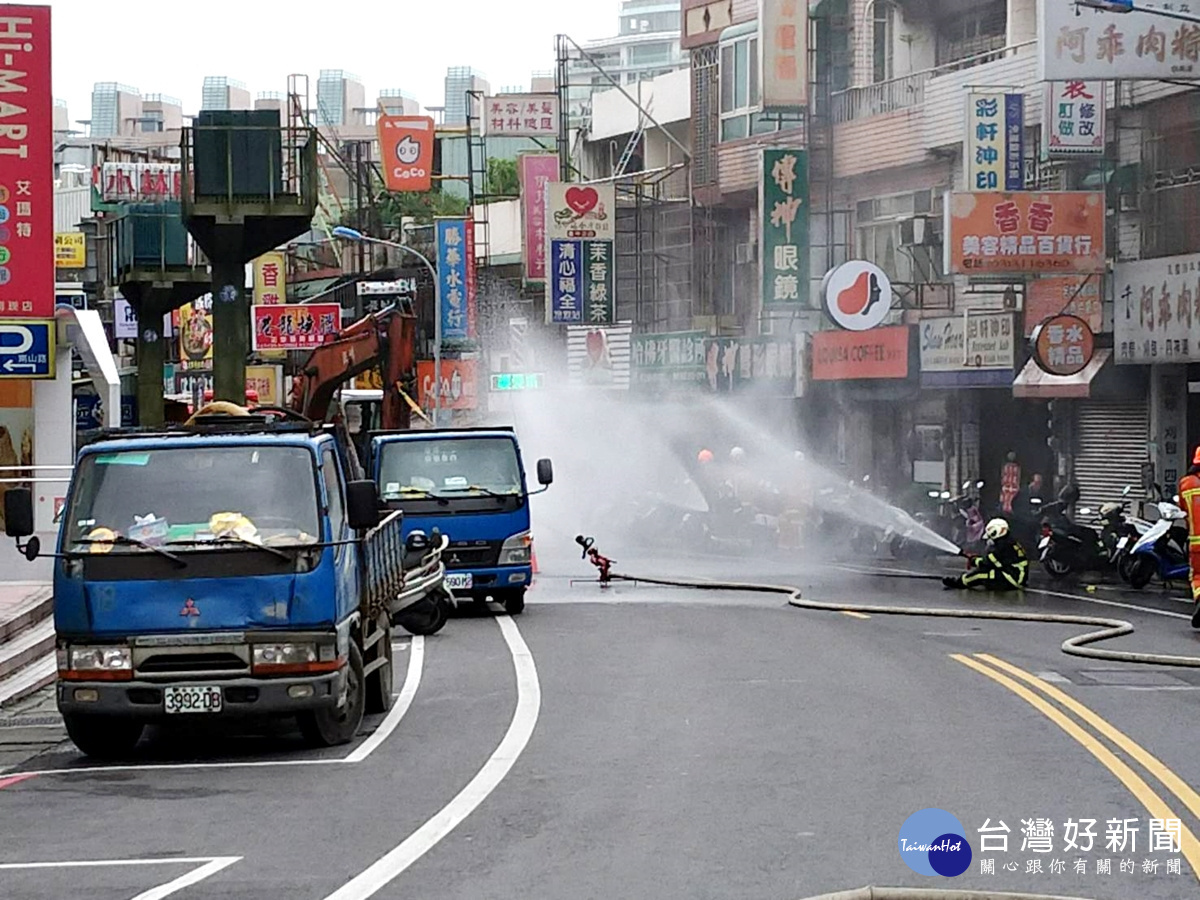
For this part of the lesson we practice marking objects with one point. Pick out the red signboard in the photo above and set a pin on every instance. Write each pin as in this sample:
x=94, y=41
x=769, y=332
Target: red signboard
x=1063, y=345
x=536, y=170
x=459, y=388
x=850, y=355
x=406, y=145
x=295, y=327
x=26, y=163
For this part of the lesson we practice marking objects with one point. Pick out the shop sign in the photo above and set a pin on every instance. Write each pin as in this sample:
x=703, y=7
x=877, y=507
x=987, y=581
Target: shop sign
x=535, y=171
x=521, y=115
x=580, y=256
x=196, y=334
x=734, y=363
x=599, y=356
x=1073, y=118
x=783, y=220
x=783, y=40
x=1156, y=310
x=674, y=358
x=1063, y=345
x=294, y=327
x=1074, y=295
x=459, y=389
x=27, y=172
x=857, y=295
x=266, y=382
x=70, y=250
x=1081, y=42
x=89, y=411
x=978, y=341
x=137, y=182
x=270, y=278
x=456, y=270
x=125, y=320
x=995, y=145
x=406, y=150
x=999, y=233
x=852, y=355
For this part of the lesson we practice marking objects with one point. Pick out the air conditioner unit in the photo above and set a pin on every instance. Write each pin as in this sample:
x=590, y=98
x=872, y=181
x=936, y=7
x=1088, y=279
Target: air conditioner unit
x=918, y=231
x=744, y=254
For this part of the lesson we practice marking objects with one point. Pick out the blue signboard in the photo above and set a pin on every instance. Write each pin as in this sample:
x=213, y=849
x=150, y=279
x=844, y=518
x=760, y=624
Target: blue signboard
x=453, y=274
x=89, y=411
x=1014, y=138
x=26, y=348
x=581, y=283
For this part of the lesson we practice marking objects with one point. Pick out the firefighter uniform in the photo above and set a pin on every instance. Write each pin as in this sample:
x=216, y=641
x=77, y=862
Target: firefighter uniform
x=1004, y=567
x=1189, y=499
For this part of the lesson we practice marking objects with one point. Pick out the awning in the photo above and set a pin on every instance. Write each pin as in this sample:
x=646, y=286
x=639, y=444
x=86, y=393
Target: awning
x=83, y=329
x=1035, y=383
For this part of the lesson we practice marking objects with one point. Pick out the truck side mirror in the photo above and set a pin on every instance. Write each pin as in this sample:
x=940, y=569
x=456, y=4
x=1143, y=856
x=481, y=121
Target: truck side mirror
x=362, y=504
x=18, y=512
x=545, y=472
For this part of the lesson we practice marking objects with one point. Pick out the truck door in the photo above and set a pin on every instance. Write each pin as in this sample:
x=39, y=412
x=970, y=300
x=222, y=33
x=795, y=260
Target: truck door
x=343, y=554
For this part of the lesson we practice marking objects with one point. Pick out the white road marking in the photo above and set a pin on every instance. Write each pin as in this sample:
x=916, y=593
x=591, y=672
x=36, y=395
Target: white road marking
x=412, y=681
x=208, y=865
x=421, y=841
x=399, y=709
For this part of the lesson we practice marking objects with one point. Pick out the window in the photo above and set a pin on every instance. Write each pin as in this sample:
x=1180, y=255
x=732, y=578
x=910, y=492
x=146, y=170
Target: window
x=882, y=35
x=739, y=87
x=878, y=233
x=642, y=54
x=978, y=30
x=333, y=487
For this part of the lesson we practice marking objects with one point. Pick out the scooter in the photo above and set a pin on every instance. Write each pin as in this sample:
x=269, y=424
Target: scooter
x=1067, y=546
x=1119, y=531
x=1162, y=550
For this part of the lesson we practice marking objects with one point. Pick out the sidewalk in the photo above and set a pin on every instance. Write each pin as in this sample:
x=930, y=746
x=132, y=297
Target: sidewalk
x=21, y=604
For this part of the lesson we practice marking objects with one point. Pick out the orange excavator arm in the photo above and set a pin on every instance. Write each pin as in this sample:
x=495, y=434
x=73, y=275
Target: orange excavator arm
x=386, y=340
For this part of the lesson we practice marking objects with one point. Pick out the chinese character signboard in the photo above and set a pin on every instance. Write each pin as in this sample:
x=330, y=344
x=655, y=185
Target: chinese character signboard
x=1156, y=310
x=26, y=164
x=1073, y=118
x=70, y=250
x=1084, y=43
x=1061, y=232
x=1063, y=345
x=266, y=382
x=973, y=351
x=270, y=279
x=520, y=115
x=783, y=40
x=26, y=348
x=535, y=171
x=196, y=334
x=852, y=355
x=458, y=390
x=783, y=218
x=733, y=363
x=675, y=358
x=995, y=146
x=406, y=150
x=294, y=327
x=580, y=259
x=456, y=270
x=1074, y=295
x=134, y=182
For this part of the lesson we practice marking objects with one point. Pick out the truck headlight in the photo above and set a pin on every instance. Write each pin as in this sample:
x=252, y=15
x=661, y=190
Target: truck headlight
x=516, y=550
x=107, y=663
x=292, y=658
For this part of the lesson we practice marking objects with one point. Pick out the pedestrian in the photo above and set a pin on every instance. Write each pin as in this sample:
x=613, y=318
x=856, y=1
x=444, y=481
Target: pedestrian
x=1004, y=567
x=1010, y=483
x=1189, y=499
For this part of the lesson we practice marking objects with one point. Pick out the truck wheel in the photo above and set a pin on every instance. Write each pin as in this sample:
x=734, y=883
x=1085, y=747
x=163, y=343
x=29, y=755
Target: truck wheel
x=379, y=682
x=425, y=617
x=103, y=737
x=512, y=600
x=338, y=725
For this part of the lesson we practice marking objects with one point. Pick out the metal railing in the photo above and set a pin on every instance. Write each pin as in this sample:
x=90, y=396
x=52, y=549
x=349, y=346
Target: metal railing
x=907, y=91
x=281, y=172
x=7, y=475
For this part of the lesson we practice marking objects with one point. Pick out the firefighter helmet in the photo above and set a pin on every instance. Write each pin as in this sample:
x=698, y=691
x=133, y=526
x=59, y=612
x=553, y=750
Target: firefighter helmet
x=997, y=528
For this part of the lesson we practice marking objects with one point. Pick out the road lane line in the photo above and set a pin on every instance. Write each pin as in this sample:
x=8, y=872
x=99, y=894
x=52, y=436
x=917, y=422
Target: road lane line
x=14, y=779
x=106, y=863
x=1156, y=806
x=421, y=841
x=412, y=681
x=854, y=615
x=188, y=879
x=1151, y=763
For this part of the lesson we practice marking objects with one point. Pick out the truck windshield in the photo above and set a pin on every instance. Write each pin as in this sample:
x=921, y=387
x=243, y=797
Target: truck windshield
x=462, y=467
x=193, y=495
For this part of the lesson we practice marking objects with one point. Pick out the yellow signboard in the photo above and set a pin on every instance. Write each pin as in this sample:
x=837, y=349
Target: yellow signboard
x=196, y=333
x=70, y=250
x=270, y=278
x=265, y=380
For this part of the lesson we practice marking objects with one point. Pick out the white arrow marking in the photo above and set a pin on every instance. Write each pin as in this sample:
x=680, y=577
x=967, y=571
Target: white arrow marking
x=26, y=335
x=10, y=366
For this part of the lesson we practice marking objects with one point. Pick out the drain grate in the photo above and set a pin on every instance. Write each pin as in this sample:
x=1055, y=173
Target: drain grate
x=29, y=721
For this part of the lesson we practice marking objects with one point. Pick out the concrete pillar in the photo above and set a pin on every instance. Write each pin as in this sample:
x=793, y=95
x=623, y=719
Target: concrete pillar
x=151, y=356
x=53, y=437
x=1168, y=424
x=231, y=330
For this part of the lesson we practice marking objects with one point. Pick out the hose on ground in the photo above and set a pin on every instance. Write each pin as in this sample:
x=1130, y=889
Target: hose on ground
x=892, y=893
x=1108, y=629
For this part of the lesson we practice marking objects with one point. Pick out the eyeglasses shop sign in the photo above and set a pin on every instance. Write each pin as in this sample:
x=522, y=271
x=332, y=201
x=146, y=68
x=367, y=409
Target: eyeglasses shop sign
x=982, y=342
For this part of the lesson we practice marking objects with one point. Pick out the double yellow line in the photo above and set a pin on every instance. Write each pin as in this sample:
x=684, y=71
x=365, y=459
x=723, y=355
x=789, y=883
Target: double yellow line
x=1000, y=671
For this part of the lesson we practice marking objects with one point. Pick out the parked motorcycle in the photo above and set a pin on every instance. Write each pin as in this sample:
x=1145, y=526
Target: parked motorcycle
x=1119, y=531
x=1067, y=546
x=1161, y=551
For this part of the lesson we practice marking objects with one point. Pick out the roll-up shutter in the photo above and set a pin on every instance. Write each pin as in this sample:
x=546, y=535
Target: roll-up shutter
x=1110, y=447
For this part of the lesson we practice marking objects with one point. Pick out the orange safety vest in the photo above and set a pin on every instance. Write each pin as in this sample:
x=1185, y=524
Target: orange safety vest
x=1189, y=499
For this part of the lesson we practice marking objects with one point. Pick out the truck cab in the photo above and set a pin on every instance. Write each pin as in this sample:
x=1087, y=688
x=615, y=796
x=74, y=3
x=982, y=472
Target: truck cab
x=469, y=484
x=232, y=569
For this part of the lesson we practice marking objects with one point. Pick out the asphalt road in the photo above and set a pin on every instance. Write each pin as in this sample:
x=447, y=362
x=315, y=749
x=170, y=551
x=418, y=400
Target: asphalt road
x=654, y=742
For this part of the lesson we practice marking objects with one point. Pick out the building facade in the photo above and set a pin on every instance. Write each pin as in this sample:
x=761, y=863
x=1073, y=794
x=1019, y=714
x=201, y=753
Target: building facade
x=222, y=92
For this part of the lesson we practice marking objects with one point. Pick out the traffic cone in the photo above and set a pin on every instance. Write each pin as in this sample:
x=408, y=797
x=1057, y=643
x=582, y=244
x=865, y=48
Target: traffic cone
x=533, y=558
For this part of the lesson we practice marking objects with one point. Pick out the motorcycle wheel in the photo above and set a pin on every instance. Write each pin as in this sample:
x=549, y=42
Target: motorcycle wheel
x=1056, y=567
x=1125, y=566
x=1141, y=572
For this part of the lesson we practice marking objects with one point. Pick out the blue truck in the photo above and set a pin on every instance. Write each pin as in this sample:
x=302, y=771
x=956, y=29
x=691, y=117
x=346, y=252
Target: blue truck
x=469, y=484
x=236, y=566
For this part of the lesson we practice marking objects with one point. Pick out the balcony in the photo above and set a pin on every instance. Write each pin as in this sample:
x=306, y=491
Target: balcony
x=891, y=123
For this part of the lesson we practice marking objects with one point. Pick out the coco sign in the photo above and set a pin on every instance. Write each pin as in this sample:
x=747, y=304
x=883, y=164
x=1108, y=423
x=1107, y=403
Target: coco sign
x=1063, y=345
x=857, y=295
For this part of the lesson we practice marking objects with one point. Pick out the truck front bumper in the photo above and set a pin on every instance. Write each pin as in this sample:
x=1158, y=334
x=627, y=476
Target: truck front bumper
x=240, y=696
x=486, y=581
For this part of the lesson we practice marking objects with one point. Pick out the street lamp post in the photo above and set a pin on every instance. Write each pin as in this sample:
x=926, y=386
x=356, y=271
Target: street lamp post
x=350, y=234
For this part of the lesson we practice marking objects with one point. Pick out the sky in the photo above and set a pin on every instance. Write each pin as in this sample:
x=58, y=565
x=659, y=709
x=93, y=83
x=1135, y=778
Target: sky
x=168, y=48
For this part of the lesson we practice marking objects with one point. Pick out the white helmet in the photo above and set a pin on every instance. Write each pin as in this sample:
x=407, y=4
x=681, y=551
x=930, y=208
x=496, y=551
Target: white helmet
x=737, y=454
x=997, y=528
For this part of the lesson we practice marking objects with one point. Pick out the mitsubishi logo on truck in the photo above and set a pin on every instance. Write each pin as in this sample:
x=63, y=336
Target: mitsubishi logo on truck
x=189, y=608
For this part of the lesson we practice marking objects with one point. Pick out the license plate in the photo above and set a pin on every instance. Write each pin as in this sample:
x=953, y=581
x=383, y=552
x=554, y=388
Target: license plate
x=1123, y=543
x=459, y=581
x=1044, y=543
x=192, y=699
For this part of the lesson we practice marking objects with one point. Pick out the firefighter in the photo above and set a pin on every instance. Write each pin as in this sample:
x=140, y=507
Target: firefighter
x=1004, y=567
x=1189, y=499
